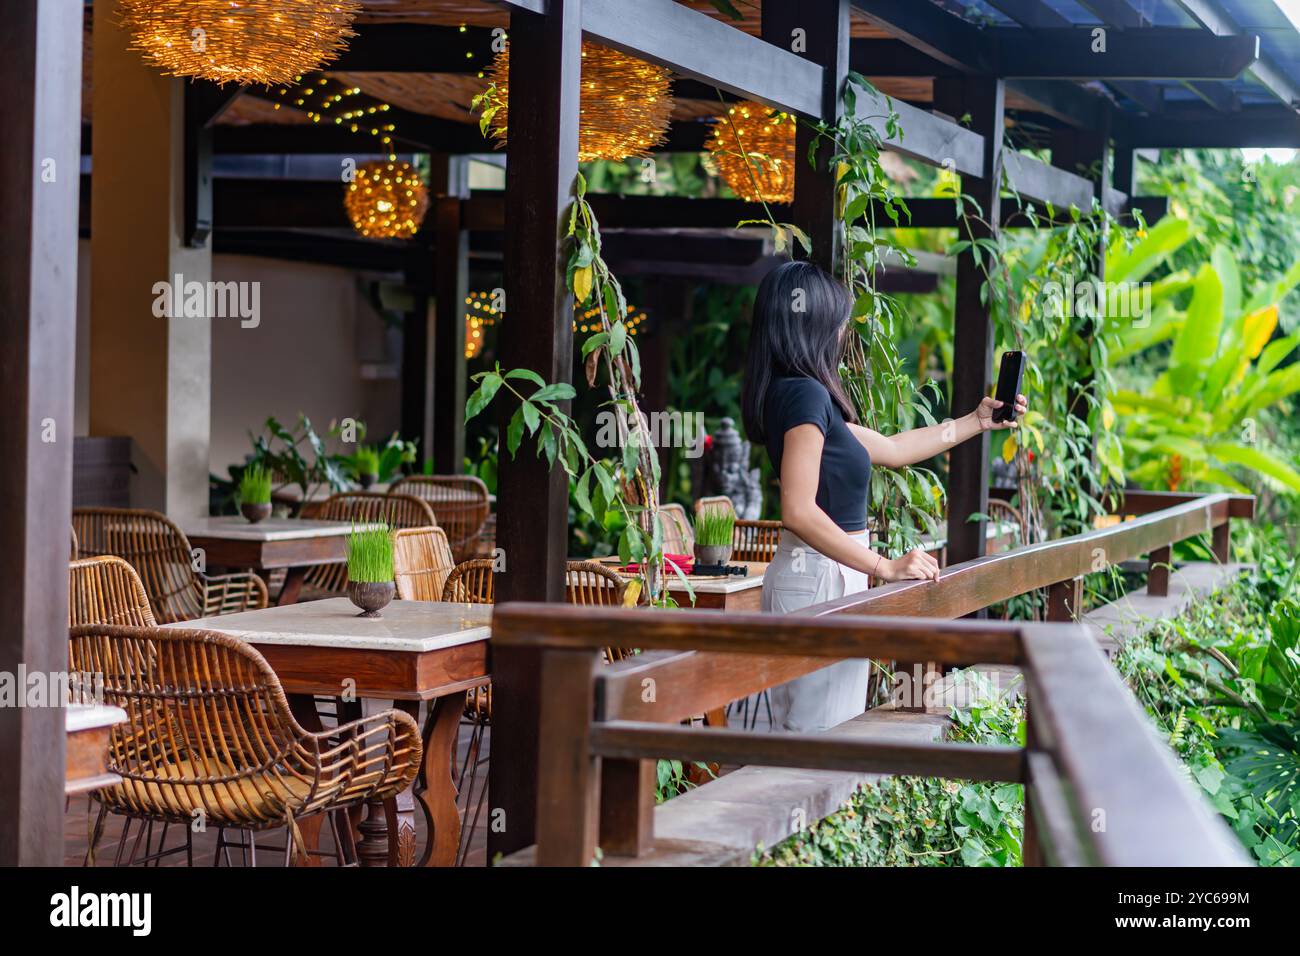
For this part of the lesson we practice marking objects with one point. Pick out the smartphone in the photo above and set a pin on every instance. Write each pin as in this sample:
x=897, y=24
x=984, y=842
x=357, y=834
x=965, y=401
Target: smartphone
x=1010, y=376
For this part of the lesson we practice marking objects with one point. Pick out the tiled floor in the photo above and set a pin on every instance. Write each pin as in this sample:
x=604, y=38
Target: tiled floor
x=79, y=820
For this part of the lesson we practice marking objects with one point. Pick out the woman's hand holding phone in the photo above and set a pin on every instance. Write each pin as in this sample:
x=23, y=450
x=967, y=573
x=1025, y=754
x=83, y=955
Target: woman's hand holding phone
x=913, y=566
x=984, y=413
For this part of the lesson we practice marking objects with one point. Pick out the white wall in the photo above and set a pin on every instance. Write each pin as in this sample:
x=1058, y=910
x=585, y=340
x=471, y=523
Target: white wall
x=316, y=350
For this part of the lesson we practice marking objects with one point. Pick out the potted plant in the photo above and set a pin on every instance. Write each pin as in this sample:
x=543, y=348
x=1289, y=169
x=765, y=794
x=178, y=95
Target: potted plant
x=365, y=465
x=255, y=493
x=713, y=531
x=370, y=569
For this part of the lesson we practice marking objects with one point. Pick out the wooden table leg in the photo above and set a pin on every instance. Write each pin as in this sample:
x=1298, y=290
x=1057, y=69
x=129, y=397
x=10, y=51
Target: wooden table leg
x=293, y=579
x=303, y=707
x=436, y=786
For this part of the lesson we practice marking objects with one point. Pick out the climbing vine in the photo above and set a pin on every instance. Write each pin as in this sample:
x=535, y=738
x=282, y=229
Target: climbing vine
x=629, y=482
x=1064, y=453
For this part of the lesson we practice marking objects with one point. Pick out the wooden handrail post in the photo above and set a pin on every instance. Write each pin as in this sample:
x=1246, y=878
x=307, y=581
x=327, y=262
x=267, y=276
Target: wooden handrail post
x=568, y=784
x=1221, y=541
x=912, y=680
x=627, y=806
x=1158, y=562
x=1065, y=600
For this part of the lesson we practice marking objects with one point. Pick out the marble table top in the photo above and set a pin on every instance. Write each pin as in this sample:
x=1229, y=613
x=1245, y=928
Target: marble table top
x=238, y=528
x=412, y=626
x=80, y=717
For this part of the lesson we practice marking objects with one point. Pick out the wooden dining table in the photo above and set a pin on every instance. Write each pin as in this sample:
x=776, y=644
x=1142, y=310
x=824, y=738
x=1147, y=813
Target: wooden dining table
x=416, y=651
x=294, y=544
x=731, y=592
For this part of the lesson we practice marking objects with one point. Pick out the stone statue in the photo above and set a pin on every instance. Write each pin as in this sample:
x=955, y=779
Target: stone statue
x=727, y=471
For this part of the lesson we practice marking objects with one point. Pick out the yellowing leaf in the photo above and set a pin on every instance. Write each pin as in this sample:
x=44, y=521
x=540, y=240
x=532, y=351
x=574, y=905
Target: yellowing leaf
x=1009, y=449
x=1257, y=329
x=582, y=279
x=632, y=594
x=1108, y=417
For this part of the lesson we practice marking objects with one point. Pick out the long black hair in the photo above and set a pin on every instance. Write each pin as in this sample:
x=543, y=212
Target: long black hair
x=799, y=317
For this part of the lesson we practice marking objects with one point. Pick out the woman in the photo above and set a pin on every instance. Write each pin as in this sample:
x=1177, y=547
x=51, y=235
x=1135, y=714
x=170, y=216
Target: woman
x=794, y=403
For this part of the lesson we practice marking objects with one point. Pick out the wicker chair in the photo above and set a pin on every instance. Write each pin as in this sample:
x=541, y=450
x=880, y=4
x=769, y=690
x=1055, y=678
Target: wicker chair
x=210, y=736
x=470, y=582
x=76, y=550
x=360, y=507
x=460, y=503
x=717, y=501
x=106, y=590
x=755, y=540
x=421, y=563
x=679, y=536
x=160, y=553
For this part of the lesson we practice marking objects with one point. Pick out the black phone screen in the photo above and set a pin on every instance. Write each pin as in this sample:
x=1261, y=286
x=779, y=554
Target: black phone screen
x=1010, y=375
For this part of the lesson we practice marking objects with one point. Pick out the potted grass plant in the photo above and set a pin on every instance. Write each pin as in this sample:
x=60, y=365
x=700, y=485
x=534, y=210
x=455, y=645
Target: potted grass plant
x=255, y=493
x=370, y=569
x=713, y=531
x=365, y=465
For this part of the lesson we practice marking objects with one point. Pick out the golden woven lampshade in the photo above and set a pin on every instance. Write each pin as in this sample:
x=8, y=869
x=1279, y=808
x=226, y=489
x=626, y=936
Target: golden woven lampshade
x=386, y=200
x=763, y=154
x=625, y=104
x=239, y=41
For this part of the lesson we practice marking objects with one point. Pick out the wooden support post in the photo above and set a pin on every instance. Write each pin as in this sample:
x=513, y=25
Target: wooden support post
x=532, y=510
x=415, y=414
x=568, y=786
x=627, y=806
x=40, y=70
x=817, y=30
x=981, y=98
x=451, y=284
x=1158, y=572
x=150, y=361
x=1221, y=543
x=1065, y=600
x=1086, y=153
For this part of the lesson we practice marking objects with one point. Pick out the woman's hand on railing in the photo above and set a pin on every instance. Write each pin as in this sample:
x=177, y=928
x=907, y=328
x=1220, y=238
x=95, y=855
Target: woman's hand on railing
x=915, y=565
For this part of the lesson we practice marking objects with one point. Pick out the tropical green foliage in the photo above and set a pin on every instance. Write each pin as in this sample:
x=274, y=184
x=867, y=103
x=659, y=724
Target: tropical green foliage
x=1222, y=683
x=370, y=555
x=923, y=821
x=1189, y=415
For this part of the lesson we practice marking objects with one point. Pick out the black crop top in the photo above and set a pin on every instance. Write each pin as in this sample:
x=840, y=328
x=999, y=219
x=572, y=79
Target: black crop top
x=845, y=479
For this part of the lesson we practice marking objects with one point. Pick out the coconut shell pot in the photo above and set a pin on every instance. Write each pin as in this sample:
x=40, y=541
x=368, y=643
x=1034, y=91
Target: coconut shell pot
x=367, y=480
x=371, y=596
x=255, y=512
x=712, y=554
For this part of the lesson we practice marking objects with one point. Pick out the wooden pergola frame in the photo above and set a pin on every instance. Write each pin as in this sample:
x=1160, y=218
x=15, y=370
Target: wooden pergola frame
x=40, y=58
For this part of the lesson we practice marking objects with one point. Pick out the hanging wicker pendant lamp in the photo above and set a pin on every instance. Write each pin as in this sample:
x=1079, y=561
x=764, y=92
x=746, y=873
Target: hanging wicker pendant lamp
x=386, y=199
x=625, y=106
x=239, y=41
x=753, y=148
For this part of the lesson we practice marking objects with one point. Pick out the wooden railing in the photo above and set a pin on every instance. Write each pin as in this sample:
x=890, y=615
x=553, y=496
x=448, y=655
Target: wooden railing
x=1100, y=789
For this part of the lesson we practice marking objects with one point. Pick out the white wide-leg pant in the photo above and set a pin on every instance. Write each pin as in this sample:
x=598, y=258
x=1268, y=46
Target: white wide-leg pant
x=798, y=577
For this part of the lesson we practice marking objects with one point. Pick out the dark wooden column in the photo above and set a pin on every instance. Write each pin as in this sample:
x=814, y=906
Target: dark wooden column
x=451, y=283
x=968, y=463
x=532, y=505
x=416, y=387
x=1086, y=153
x=40, y=71
x=824, y=39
